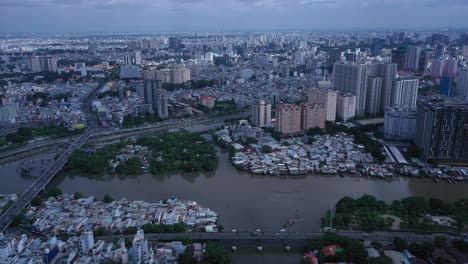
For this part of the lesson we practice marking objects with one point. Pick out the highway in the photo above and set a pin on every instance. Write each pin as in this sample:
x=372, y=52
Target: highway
x=7, y=217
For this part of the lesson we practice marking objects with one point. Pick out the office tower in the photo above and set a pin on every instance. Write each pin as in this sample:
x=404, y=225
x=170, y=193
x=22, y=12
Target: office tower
x=175, y=43
x=439, y=51
x=312, y=115
x=437, y=68
x=299, y=57
x=405, y=92
x=462, y=85
x=285, y=72
x=351, y=56
x=261, y=113
x=439, y=38
x=260, y=61
x=346, y=106
x=151, y=86
x=86, y=241
x=412, y=58
x=374, y=95
x=399, y=58
x=43, y=64
x=464, y=39
x=207, y=101
x=446, y=85
x=334, y=56
x=442, y=132
x=327, y=98
x=400, y=123
x=352, y=78
x=450, y=68
x=423, y=61
x=288, y=118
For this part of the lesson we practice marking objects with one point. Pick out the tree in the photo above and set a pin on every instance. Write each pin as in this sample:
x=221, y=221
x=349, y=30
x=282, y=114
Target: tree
x=377, y=245
x=400, y=244
x=251, y=140
x=216, y=254
x=307, y=260
x=131, y=230
x=36, y=201
x=78, y=195
x=266, y=149
x=421, y=250
x=186, y=258
x=107, y=199
x=380, y=260
x=440, y=241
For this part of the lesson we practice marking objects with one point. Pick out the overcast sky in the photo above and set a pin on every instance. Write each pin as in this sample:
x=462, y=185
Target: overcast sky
x=87, y=16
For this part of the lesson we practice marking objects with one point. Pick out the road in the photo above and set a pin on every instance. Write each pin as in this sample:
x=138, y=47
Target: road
x=299, y=237
x=7, y=217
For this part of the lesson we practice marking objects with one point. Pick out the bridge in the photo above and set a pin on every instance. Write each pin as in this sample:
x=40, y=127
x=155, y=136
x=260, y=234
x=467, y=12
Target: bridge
x=7, y=217
x=291, y=237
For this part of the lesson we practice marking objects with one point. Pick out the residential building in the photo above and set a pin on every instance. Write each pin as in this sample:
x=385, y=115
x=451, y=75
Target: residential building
x=400, y=123
x=442, y=132
x=346, y=106
x=412, y=58
x=43, y=64
x=405, y=92
x=130, y=72
x=450, y=68
x=327, y=98
x=334, y=56
x=399, y=58
x=388, y=73
x=446, y=85
x=462, y=84
x=288, y=118
x=207, y=101
x=175, y=43
x=374, y=95
x=352, y=78
x=437, y=68
x=285, y=71
x=86, y=241
x=261, y=113
x=312, y=115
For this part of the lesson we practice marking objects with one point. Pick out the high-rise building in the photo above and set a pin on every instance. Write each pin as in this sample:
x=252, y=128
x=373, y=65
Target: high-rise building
x=133, y=58
x=288, y=118
x=374, y=95
x=424, y=59
x=160, y=104
x=400, y=123
x=209, y=56
x=327, y=98
x=412, y=58
x=446, y=86
x=181, y=75
x=462, y=84
x=450, y=68
x=86, y=241
x=442, y=132
x=260, y=60
x=346, y=106
x=437, y=68
x=352, y=78
x=399, y=58
x=261, y=113
x=285, y=71
x=207, y=101
x=334, y=56
x=312, y=115
x=175, y=43
x=140, y=247
x=405, y=92
x=388, y=73
x=154, y=96
x=439, y=39
x=43, y=64
x=350, y=56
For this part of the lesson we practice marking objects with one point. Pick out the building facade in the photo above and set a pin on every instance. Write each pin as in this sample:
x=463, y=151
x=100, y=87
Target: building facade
x=352, y=78
x=442, y=132
x=405, y=92
x=312, y=115
x=261, y=113
x=288, y=118
x=374, y=95
x=346, y=106
x=43, y=64
x=327, y=98
x=400, y=123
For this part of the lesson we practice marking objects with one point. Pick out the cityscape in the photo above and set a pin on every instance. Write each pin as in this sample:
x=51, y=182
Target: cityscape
x=154, y=132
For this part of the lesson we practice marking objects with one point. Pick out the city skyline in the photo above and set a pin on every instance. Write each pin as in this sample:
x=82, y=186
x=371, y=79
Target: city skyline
x=86, y=16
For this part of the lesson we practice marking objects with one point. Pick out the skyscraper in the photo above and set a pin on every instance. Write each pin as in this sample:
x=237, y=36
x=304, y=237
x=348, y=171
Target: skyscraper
x=175, y=43
x=442, y=132
x=327, y=98
x=312, y=115
x=334, y=56
x=352, y=78
x=43, y=64
x=345, y=106
x=405, y=92
x=412, y=58
x=288, y=118
x=374, y=95
x=437, y=68
x=261, y=113
x=450, y=68
x=399, y=58
x=462, y=85
x=155, y=97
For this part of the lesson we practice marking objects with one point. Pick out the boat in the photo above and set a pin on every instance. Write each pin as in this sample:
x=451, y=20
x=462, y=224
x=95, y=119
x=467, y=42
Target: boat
x=290, y=222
